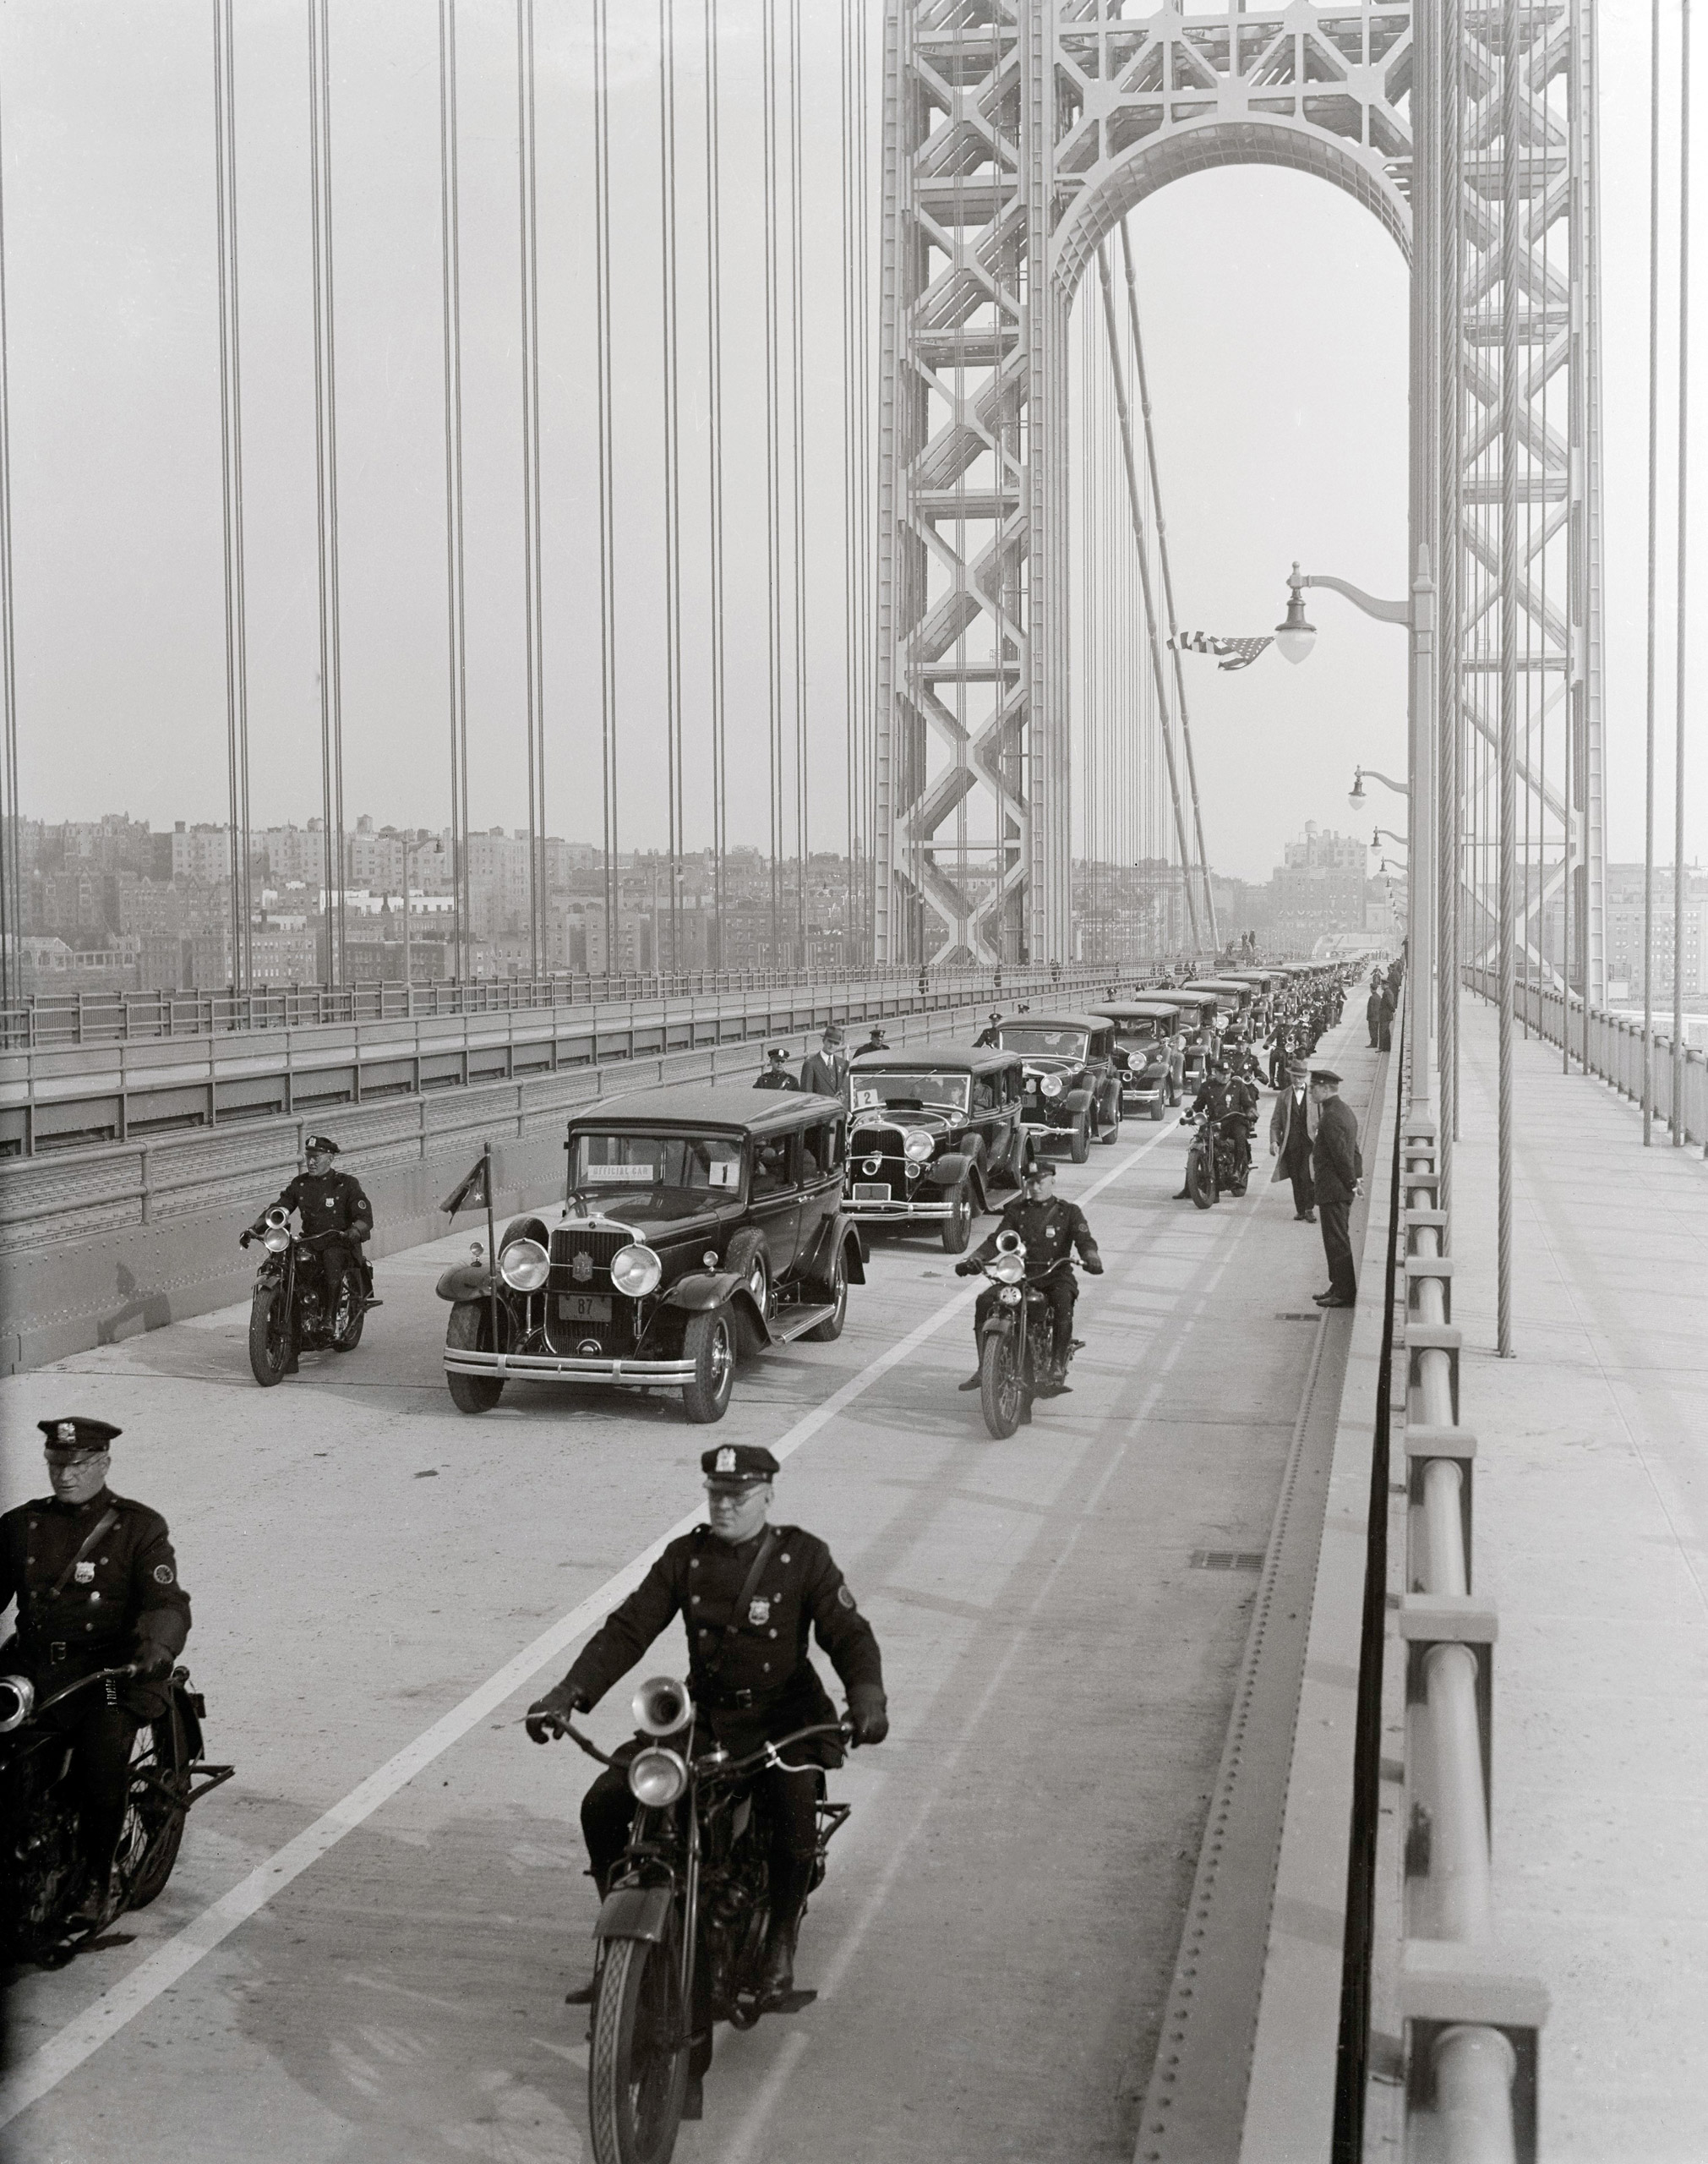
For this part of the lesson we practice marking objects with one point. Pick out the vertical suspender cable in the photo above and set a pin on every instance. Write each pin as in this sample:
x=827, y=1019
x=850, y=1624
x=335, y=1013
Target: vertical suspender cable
x=773, y=506
x=1511, y=179
x=714, y=377
x=1681, y=614
x=673, y=482
x=11, y=837
x=450, y=220
x=797, y=326
x=326, y=474
x=533, y=630
x=1654, y=578
x=868, y=474
x=853, y=705
x=1449, y=636
x=608, y=591
x=231, y=493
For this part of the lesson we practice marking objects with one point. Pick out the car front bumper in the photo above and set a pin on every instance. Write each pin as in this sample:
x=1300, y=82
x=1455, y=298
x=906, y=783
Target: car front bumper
x=901, y=1213
x=632, y=1370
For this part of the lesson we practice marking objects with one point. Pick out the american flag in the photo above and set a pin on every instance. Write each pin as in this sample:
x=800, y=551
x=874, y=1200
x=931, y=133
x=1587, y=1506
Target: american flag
x=1235, y=653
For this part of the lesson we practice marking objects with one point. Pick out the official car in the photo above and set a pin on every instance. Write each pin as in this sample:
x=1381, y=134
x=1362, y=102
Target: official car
x=935, y=1131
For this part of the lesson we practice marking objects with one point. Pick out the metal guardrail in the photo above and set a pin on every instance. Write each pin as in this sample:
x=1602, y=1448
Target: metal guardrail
x=1610, y=1046
x=73, y=1097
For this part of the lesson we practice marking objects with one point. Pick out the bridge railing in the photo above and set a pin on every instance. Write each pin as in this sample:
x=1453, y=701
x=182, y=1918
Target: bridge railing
x=1610, y=1046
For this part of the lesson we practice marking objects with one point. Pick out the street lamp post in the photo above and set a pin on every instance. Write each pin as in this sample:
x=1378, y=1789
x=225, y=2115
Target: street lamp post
x=1295, y=638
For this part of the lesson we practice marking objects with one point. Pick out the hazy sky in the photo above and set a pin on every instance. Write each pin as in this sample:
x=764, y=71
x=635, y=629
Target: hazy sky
x=1274, y=312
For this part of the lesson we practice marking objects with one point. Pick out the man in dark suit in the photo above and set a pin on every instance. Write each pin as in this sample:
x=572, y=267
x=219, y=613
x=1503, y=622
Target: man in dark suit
x=1337, y=1172
x=823, y=1072
x=1372, y=1009
x=1290, y=1137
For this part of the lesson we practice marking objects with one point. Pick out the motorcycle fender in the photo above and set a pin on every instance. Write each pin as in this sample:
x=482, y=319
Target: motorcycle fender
x=636, y=1912
x=1000, y=1323
x=465, y=1280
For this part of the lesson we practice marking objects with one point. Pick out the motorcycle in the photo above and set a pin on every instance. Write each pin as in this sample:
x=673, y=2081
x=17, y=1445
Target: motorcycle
x=1220, y=1160
x=46, y=1866
x=287, y=1310
x=681, y=1933
x=1018, y=1340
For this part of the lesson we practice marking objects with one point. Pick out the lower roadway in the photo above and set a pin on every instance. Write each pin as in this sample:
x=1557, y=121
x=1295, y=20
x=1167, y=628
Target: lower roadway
x=376, y=1973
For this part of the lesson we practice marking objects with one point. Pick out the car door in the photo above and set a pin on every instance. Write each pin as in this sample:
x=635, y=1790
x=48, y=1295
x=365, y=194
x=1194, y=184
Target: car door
x=773, y=1192
x=821, y=1170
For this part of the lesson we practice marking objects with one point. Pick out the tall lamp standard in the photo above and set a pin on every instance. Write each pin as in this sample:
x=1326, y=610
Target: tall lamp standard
x=1295, y=638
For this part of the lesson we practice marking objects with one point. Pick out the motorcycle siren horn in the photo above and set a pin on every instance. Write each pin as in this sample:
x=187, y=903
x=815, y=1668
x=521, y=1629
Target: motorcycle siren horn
x=277, y=1216
x=17, y=1701
x=1009, y=1243
x=656, y=1777
x=661, y=1705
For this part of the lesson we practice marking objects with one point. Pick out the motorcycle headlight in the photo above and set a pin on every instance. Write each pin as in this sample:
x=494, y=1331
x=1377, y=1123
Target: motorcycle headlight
x=1007, y=1269
x=635, y=1270
x=17, y=1701
x=1052, y=1086
x=918, y=1144
x=524, y=1265
x=276, y=1239
x=656, y=1777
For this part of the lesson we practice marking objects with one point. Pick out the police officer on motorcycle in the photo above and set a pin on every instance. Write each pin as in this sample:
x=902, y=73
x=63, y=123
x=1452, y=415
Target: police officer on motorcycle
x=336, y=1218
x=1050, y=1230
x=96, y=1585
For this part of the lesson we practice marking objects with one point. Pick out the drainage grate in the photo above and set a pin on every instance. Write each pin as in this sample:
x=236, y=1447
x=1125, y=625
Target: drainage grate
x=1298, y=1314
x=1225, y=1558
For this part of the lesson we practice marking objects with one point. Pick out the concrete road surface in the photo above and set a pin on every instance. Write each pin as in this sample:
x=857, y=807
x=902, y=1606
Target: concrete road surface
x=364, y=1952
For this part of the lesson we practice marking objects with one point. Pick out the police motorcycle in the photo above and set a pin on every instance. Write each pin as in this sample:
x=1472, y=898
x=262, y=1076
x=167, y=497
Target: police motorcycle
x=41, y=1834
x=681, y=1933
x=1018, y=1337
x=1220, y=1160
x=287, y=1310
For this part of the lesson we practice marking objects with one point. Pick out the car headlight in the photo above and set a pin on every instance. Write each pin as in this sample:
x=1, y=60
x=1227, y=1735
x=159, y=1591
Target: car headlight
x=918, y=1144
x=635, y=1270
x=1007, y=1269
x=524, y=1265
x=656, y=1777
x=276, y=1239
x=1052, y=1085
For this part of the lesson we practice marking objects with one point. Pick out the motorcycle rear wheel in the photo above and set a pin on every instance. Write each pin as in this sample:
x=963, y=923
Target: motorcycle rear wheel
x=269, y=1335
x=159, y=1764
x=637, y=2070
x=1001, y=1387
x=347, y=1323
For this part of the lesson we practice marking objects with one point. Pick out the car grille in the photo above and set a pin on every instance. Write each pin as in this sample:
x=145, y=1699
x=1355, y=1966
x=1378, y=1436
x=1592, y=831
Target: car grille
x=571, y=1242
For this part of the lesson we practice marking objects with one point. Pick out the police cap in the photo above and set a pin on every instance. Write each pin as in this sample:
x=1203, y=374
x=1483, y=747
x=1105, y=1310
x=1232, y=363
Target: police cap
x=1325, y=1075
x=79, y=1436
x=738, y=1465
x=1040, y=1168
x=312, y=1142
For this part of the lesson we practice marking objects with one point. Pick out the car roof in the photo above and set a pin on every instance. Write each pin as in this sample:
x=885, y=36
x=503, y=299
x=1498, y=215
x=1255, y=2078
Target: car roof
x=1149, y=1009
x=731, y=1106
x=1055, y=1021
x=939, y=1059
x=1214, y=984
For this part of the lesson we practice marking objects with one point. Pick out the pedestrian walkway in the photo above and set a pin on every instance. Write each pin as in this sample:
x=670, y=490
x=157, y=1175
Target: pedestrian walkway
x=1592, y=1539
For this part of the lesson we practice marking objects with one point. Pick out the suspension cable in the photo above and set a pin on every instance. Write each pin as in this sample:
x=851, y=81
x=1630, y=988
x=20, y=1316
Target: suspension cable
x=532, y=599
x=797, y=326
x=11, y=838
x=673, y=501
x=231, y=494
x=1680, y=614
x=450, y=214
x=714, y=367
x=773, y=507
x=326, y=474
x=608, y=598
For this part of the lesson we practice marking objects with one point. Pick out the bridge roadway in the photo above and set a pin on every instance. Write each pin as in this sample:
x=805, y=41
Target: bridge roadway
x=994, y=1944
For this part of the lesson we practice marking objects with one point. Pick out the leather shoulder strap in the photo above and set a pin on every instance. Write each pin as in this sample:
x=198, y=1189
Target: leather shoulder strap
x=97, y=1532
x=762, y=1556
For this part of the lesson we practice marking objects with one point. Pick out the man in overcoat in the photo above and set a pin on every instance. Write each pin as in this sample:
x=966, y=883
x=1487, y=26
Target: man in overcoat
x=1292, y=1132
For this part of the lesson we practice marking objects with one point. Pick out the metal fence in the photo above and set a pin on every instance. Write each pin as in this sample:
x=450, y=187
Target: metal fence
x=1610, y=1046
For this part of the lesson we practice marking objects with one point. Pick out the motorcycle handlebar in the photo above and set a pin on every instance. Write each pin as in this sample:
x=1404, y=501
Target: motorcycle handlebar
x=712, y=1764
x=101, y=1675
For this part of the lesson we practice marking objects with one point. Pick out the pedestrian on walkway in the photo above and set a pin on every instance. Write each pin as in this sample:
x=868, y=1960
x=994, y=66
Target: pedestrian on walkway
x=1292, y=1125
x=1385, y=1031
x=1372, y=1012
x=1337, y=1172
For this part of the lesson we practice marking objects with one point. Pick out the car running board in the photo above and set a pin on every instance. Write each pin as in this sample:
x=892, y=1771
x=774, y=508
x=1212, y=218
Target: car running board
x=795, y=1322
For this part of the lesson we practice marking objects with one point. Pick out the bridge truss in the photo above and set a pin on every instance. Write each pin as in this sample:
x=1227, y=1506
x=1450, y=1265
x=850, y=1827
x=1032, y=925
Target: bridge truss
x=1017, y=133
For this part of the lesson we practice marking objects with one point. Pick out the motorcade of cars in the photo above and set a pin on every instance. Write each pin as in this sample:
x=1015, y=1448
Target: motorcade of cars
x=1151, y=1069
x=1264, y=984
x=1072, y=1093
x=702, y=1221
x=1232, y=998
x=1198, y=1011
x=933, y=1132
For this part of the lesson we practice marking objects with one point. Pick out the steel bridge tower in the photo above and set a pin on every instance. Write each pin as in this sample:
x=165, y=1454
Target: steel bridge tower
x=1017, y=132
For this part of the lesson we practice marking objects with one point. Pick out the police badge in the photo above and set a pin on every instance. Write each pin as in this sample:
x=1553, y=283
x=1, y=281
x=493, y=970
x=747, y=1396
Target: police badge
x=759, y=1611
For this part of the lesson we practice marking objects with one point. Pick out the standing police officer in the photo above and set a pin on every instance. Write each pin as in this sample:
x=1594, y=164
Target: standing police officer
x=1050, y=1230
x=749, y=1594
x=337, y=1216
x=96, y=1585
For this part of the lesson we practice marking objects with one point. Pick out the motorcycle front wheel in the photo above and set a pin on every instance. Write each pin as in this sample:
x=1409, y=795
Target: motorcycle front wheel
x=154, y=1827
x=1198, y=1184
x=269, y=1335
x=1001, y=1387
x=638, y=2070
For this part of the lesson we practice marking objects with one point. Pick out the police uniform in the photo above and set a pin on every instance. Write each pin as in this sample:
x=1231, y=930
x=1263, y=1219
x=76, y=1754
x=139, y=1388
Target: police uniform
x=1050, y=1230
x=336, y=1215
x=96, y=1585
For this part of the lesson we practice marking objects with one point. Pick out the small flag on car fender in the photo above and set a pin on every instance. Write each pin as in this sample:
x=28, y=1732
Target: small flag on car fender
x=469, y=1191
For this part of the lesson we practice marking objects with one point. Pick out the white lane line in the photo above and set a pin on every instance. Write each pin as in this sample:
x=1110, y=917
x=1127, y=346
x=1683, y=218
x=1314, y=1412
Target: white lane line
x=67, y=2049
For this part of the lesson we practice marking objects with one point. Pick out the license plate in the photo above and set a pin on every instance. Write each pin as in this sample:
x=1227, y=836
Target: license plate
x=583, y=1307
x=870, y=1191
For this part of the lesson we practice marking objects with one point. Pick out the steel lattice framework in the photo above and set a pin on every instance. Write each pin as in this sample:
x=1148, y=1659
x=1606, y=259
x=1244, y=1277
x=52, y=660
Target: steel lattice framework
x=1017, y=132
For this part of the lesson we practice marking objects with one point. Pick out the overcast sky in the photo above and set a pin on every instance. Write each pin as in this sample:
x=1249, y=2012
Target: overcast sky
x=1274, y=312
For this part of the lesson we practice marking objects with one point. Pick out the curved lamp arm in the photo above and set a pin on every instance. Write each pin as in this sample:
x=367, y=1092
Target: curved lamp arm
x=1385, y=612
x=1398, y=787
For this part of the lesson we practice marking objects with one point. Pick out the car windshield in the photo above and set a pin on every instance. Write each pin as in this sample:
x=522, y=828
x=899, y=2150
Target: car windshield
x=873, y=1088
x=1134, y=1033
x=1060, y=1044
x=654, y=1176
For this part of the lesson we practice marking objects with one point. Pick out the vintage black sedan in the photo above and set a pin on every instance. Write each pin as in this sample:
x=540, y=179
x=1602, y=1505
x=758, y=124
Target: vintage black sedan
x=936, y=1131
x=1151, y=1068
x=1073, y=1089
x=702, y=1221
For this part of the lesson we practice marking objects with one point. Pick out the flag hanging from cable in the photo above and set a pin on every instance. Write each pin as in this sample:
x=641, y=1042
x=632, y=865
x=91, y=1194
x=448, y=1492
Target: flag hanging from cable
x=470, y=1192
x=1232, y=654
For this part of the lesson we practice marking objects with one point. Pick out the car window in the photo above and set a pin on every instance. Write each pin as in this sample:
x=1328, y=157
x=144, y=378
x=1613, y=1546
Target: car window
x=654, y=1175
x=874, y=1087
x=984, y=1093
x=1028, y=1037
x=821, y=1149
x=772, y=1171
